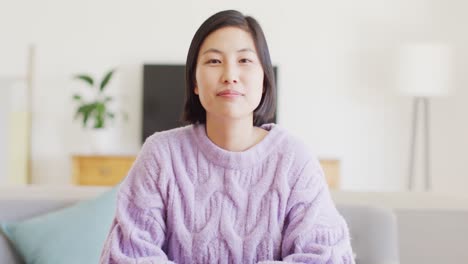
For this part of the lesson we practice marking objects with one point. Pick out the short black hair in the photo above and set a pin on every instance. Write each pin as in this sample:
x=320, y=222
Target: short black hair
x=193, y=109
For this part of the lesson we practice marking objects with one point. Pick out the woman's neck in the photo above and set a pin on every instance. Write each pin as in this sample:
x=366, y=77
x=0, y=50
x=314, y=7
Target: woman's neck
x=234, y=135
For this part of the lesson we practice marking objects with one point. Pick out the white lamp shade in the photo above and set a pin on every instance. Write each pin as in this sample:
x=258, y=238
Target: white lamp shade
x=424, y=70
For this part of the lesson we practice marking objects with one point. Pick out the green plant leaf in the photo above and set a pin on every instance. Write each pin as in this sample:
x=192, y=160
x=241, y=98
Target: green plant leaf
x=99, y=115
x=86, y=78
x=77, y=97
x=85, y=118
x=86, y=110
x=82, y=109
x=110, y=115
x=106, y=80
x=100, y=108
x=98, y=123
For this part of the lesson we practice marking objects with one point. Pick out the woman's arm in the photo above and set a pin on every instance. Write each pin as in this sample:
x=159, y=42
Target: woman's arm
x=314, y=230
x=138, y=231
x=136, y=236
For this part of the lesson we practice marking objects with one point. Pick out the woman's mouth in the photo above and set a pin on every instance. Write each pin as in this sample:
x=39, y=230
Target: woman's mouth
x=229, y=94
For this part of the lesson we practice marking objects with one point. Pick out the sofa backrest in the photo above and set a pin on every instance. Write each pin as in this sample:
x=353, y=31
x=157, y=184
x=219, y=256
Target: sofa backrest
x=374, y=233
x=373, y=230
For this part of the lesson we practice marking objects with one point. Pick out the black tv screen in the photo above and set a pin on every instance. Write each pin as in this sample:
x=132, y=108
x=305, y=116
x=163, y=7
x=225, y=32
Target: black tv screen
x=163, y=97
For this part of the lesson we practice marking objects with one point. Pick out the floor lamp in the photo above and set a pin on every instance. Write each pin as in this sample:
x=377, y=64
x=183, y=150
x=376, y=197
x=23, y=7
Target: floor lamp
x=424, y=70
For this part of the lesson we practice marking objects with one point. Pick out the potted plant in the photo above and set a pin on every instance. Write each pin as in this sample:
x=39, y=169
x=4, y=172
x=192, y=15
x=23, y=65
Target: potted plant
x=94, y=111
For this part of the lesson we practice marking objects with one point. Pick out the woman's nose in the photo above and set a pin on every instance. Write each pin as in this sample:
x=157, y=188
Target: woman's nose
x=230, y=74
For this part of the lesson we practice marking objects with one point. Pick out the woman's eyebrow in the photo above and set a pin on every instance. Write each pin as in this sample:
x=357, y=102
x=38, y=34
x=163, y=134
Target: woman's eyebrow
x=212, y=50
x=220, y=52
x=246, y=50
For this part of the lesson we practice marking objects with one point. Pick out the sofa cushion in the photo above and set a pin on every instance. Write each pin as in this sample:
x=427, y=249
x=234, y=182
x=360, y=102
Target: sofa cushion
x=75, y=234
x=7, y=252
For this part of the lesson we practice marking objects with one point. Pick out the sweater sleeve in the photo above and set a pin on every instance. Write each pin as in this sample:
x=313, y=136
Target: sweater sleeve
x=314, y=231
x=138, y=231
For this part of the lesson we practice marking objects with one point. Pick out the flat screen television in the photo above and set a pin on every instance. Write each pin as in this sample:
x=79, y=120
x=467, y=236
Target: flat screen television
x=163, y=97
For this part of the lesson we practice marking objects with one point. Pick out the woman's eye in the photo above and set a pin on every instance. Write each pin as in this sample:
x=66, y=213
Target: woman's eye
x=213, y=61
x=245, y=60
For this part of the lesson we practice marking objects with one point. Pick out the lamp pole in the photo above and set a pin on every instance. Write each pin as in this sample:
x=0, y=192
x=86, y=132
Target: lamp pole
x=426, y=133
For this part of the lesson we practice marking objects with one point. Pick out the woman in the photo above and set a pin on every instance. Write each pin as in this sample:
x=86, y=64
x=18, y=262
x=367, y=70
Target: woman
x=229, y=188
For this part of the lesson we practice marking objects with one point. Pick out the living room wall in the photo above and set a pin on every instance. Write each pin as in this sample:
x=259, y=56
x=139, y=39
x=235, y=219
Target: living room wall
x=336, y=63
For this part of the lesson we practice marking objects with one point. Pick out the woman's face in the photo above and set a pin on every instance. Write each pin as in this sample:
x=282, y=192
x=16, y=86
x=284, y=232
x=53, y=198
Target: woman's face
x=229, y=75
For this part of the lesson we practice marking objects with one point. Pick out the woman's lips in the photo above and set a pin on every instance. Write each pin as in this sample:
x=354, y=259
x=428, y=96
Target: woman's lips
x=229, y=93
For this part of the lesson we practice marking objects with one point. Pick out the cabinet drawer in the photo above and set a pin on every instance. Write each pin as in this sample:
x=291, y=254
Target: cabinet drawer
x=100, y=170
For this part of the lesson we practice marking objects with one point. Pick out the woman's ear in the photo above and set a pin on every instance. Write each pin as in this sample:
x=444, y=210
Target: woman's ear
x=195, y=90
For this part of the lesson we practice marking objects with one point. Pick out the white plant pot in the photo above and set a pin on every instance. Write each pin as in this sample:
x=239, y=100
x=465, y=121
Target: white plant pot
x=103, y=141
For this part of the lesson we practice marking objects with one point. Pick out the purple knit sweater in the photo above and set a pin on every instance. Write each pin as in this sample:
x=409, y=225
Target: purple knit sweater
x=186, y=200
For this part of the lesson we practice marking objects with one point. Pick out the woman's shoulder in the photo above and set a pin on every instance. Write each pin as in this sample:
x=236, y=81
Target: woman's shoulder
x=291, y=143
x=161, y=141
x=170, y=135
x=300, y=155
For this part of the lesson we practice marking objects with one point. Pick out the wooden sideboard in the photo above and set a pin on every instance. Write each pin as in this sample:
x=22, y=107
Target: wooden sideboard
x=109, y=170
x=100, y=170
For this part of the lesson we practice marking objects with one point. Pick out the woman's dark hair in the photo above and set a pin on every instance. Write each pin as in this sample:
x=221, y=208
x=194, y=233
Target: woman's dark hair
x=194, y=111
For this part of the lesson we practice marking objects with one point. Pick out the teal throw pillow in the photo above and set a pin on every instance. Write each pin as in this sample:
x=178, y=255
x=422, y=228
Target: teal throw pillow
x=75, y=234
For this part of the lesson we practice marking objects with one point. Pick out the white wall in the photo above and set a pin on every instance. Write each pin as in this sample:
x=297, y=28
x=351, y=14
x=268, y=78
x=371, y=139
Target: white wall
x=336, y=67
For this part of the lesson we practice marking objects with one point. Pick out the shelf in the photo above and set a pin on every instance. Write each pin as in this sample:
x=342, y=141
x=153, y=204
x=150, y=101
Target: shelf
x=403, y=200
x=52, y=192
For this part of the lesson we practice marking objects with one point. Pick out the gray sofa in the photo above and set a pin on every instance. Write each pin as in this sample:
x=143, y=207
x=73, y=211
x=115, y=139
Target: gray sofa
x=373, y=230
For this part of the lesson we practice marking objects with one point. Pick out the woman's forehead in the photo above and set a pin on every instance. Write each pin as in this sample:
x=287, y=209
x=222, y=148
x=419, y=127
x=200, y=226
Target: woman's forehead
x=228, y=39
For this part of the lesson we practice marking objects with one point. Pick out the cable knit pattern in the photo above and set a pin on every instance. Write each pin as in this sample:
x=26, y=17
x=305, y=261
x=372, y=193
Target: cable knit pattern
x=186, y=200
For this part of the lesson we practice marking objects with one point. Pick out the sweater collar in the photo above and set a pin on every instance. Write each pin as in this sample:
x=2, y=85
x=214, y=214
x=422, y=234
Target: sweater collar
x=238, y=160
